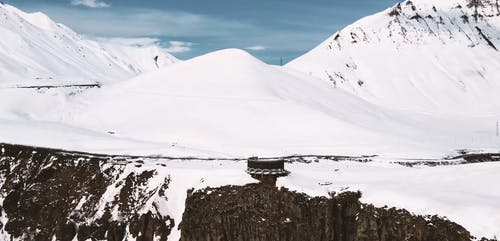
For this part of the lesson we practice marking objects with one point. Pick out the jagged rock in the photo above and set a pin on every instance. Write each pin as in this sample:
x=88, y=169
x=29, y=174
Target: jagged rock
x=49, y=194
x=263, y=212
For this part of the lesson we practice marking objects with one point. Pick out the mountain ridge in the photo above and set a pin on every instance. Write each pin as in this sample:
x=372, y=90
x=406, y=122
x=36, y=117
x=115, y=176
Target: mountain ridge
x=416, y=56
x=35, y=49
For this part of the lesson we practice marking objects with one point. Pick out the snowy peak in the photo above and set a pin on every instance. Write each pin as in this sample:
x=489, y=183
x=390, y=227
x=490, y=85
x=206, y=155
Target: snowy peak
x=13, y=16
x=424, y=55
x=37, y=19
x=236, y=58
x=421, y=22
x=35, y=49
x=229, y=73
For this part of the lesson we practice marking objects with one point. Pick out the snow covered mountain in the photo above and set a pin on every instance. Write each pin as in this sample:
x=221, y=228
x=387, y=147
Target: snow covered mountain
x=410, y=86
x=235, y=105
x=232, y=103
x=36, y=50
x=429, y=56
x=228, y=103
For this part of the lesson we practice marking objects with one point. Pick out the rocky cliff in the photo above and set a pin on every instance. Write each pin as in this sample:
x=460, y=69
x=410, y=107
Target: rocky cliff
x=263, y=212
x=48, y=194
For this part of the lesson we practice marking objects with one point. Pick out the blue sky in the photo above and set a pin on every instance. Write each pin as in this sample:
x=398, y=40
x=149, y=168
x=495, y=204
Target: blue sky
x=269, y=29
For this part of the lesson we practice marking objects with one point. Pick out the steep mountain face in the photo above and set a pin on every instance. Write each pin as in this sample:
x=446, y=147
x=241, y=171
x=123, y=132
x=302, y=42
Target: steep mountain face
x=420, y=55
x=36, y=50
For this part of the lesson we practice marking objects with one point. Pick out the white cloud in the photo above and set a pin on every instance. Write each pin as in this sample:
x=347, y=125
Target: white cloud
x=256, y=48
x=178, y=47
x=146, y=22
x=90, y=3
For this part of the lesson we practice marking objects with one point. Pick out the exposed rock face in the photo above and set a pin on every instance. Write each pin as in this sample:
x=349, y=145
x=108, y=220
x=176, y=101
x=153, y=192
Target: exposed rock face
x=48, y=194
x=417, y=23
x=263, y=212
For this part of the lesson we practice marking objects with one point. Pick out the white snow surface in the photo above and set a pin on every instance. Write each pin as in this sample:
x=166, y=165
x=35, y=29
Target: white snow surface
x=231, y=102
x=228, y=103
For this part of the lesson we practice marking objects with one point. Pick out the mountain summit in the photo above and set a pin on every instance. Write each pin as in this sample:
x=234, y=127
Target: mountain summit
x=422, y=55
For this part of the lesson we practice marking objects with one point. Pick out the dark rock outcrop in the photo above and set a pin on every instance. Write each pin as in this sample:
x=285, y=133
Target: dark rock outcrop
x=47, y=193
x=263, y=212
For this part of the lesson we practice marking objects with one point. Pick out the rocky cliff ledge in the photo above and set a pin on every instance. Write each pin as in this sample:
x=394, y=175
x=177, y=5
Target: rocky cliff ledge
x=263, y=212
x=48, y=194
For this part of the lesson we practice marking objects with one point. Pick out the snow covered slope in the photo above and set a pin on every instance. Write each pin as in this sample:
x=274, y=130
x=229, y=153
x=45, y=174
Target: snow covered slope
x=36, y=50
x=431, y=56
x=230, y=103
x=226, y=101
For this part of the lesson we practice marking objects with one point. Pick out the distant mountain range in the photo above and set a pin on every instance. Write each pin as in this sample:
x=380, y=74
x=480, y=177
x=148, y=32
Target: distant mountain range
x=36, y=50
